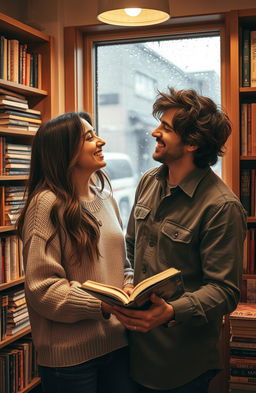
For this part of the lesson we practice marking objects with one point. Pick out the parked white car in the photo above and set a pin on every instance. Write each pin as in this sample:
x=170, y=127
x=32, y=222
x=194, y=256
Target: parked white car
x=123, y=180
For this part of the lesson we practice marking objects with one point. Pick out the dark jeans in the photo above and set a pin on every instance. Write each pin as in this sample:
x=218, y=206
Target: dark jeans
x=198, y=385
x=108, y=373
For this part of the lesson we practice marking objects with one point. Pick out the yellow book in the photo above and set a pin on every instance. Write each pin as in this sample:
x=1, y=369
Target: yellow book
x=168, y=284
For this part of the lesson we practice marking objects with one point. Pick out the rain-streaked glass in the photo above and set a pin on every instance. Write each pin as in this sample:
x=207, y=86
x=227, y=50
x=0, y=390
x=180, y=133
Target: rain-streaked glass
x=128, y=78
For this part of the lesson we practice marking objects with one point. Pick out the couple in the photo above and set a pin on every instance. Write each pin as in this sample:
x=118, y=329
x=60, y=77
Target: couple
x=184, y=216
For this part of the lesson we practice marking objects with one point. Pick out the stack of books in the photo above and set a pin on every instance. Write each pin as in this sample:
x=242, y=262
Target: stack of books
x=15, y=158
x=12, y=199
x=17, y=313
x=15, y=113
x=243, y=347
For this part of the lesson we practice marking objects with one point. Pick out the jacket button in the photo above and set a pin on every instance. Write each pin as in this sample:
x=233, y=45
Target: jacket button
x=151, y=244
x=176, y=234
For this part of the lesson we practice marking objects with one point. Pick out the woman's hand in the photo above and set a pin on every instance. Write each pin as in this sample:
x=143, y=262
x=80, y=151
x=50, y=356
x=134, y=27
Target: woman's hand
x=128, y=288
x=106, y=310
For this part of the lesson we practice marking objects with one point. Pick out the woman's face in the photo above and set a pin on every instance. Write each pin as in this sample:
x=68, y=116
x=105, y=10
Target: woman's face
x=90, y=158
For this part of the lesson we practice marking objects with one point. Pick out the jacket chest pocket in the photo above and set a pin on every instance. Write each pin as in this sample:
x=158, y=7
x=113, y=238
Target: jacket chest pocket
x=177, y=233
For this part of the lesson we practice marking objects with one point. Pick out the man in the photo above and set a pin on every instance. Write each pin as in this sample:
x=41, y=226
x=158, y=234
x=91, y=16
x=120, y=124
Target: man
x=185, y=217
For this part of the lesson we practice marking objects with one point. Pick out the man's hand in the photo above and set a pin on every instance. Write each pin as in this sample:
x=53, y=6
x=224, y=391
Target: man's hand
x=145, y=320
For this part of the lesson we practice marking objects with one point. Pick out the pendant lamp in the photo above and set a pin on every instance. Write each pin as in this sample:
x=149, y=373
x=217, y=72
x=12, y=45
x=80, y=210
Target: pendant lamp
x=133, y=12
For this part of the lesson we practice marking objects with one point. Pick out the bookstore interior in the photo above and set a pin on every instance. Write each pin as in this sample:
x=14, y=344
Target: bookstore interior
x=29, y=58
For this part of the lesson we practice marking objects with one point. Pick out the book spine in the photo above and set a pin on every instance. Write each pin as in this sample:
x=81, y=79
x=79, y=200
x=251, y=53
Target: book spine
x=27, y=80
x=253, y=125
x=14, y=59
x=249, y=130
x=240, y=379
x=35, y=70
x=246, y=59
x=243, y=352
x=243, y=127
x=245, y=189
x=5, y=58
x=31, y=81
x=1, y=57
x=253, y=58
x=20, y=63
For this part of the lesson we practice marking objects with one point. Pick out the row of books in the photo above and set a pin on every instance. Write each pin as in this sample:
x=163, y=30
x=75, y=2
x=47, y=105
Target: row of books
x=17, y=366
x=243, y=346
x=11, y=259
x=14, y=158
x=15, y=112
x=249, y=261
x=12, y=200
x=248, y=129
x=18, y=64
x=248, y=58
x=248, y=190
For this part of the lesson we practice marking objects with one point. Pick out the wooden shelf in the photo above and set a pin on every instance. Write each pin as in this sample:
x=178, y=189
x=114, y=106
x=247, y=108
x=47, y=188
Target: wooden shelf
x=247, y=276
x=247, y=90
x=15, y=29
x=242, y=387
x=35, y=382
x=23, y=89
x=7, y=228
x=10, y=284
x=251, y=219
x=9, y=131
x=13, y=177
x=247, y=158
x=11, y=339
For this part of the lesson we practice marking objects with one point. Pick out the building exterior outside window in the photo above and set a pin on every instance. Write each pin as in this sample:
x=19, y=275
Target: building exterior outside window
x=128, y=78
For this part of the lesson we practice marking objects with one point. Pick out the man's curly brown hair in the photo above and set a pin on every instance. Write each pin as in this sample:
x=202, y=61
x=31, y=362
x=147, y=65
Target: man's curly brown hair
x=198, y=121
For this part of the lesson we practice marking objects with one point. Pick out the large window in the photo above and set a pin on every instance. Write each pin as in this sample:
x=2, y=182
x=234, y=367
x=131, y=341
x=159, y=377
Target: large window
x=128, y=77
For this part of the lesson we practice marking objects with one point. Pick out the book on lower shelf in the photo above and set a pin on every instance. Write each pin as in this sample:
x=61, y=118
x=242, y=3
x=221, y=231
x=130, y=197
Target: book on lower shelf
x=168, y=284
x=243, y=348
x=17, y=365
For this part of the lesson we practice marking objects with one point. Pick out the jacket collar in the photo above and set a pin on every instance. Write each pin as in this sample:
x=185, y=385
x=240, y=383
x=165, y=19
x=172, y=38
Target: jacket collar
x=189, y=184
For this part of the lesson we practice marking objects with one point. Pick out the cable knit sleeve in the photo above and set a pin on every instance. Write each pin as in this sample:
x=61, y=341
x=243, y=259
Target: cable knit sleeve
x=48, y=290
x=128, y=270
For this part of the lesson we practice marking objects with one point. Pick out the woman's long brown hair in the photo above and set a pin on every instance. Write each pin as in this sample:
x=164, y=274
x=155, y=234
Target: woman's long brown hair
x=55, y=149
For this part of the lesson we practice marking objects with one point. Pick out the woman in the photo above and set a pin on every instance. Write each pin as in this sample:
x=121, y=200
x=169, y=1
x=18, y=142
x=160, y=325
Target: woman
x=71, y=232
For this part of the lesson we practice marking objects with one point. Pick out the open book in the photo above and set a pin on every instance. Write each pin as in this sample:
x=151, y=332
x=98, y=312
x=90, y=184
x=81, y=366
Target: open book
x=168, y=284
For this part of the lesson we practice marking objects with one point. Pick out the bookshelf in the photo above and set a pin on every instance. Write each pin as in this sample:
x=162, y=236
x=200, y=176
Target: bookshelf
x=32, y=86
x=241, y=175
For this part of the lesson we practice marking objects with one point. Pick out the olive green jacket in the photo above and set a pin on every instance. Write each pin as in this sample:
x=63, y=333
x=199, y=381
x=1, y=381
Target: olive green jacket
x=198, y=227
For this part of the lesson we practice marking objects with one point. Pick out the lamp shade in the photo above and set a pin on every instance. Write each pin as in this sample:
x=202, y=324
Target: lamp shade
x=148, y=12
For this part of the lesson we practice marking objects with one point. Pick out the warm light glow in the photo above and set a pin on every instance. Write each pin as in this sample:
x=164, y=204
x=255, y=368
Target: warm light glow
x=124, y=13
x=132, y=11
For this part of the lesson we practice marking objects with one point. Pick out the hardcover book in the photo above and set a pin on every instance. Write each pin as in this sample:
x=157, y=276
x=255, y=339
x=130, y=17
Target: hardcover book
x=168, y=284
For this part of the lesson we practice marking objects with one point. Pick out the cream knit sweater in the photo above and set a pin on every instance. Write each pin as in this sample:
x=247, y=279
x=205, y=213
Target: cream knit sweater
x=67, y=324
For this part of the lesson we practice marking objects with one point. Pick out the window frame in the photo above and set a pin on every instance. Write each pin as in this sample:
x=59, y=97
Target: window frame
x=79, y=59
